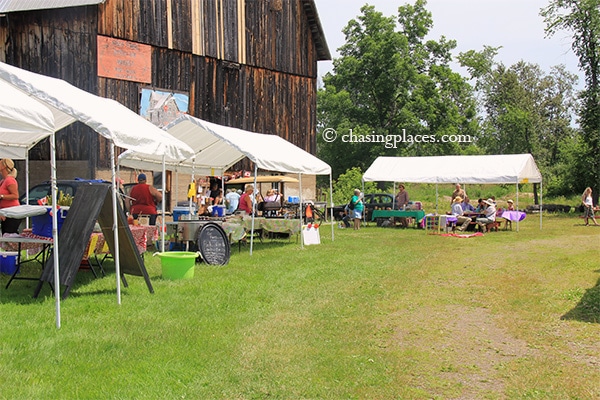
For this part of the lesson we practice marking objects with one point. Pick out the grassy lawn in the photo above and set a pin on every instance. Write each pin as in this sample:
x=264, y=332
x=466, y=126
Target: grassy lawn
x=379, y=313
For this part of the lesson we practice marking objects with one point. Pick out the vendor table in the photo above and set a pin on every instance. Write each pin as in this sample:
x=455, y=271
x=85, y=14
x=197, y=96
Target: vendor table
x=186, y=230
x=279, y=225
x=418, y=215
x=142, y=234
x=27, y=241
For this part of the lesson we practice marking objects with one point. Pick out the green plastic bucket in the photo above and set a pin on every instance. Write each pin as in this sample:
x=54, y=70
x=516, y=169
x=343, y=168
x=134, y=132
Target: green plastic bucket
x=177, y=264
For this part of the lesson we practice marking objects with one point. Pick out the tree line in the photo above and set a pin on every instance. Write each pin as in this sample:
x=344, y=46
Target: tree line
x=390, y=80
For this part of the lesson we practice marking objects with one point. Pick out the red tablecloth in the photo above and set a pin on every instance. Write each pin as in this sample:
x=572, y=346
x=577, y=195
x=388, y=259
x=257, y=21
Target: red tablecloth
x=142, y=234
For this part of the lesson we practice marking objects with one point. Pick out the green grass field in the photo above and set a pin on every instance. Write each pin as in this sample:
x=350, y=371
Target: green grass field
x=379, y=313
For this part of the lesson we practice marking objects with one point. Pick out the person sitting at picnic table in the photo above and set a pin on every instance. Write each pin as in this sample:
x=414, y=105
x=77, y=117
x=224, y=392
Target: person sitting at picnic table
x=490, y=215
x=143, y=200
x=457, y=211
x=466, y=206
x=481, y=206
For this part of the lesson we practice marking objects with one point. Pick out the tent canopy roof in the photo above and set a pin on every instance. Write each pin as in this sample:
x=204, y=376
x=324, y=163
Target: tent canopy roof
x=109, y=118
x=218, y=147
x=264, y=179
x=23, y=122
x=488, y=169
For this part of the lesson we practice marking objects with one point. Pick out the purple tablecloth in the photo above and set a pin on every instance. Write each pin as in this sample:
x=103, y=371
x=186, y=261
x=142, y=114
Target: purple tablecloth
x=513, y=215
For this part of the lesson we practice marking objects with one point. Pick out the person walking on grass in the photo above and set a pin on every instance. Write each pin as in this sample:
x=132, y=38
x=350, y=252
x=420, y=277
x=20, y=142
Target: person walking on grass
x=588, y=206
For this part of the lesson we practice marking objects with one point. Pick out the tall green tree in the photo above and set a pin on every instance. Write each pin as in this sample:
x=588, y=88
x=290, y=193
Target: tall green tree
x=525, y=111
x=390, y=81
x=582, y=19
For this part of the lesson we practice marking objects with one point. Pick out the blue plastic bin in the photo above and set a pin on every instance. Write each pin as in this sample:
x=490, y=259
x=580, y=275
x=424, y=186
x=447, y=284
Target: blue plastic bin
x=8, y=262
x=179, y=211
x=42, y=224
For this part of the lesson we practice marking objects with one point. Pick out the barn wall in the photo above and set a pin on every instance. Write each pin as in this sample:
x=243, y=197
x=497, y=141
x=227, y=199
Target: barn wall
x=250, y=64
x=60, y=43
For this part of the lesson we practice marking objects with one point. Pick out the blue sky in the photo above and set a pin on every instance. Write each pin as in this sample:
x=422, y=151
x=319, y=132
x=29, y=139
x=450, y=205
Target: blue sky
x=513, y=24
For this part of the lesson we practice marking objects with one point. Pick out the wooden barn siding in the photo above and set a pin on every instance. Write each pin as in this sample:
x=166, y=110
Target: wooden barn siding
x=277, y=33
x=60, y=43
x=257, y=100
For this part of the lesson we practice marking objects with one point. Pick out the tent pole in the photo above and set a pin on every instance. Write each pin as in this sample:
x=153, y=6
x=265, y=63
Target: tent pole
x=193, y=185
x=164, y=198
x=27, y=181
x=541, y=203
x=253, y=209
x=517, y=203
x=331, y=206
x=115, y=221
x=301, y=210
x=394, y=198
x=54, y=229
x=436, y=198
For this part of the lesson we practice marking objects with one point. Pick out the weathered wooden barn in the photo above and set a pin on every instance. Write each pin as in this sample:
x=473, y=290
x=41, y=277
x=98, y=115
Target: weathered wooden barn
x=250, y=64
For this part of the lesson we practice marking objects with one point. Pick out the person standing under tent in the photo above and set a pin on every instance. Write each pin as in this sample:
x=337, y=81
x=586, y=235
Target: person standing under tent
x=401, y=204
x=458, y=191
x=246, y=200
x=144, y=199
x=588, y=204
x=216, y=194
x=9, y=195
x=232, y=198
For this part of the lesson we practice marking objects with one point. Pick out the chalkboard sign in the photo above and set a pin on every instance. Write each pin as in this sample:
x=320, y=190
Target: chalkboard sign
x=213, y=244
x=93, y=202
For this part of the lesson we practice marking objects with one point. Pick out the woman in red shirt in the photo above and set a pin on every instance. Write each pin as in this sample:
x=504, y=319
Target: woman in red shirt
x=9, y=195
x=246, y=200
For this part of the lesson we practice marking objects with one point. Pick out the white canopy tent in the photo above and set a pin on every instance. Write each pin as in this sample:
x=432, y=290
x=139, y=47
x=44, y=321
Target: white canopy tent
x=476, y=169
x=112, y=120
x=218, y=147
x=23, y=123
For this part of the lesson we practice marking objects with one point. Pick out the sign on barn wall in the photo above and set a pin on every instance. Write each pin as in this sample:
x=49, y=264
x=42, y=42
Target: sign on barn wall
x=125, y=60
x=161, y=107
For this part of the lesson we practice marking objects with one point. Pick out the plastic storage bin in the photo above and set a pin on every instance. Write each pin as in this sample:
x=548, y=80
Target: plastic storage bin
x=179, y=211
x=42, y=224
x=218, y=211
x=8, y=262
